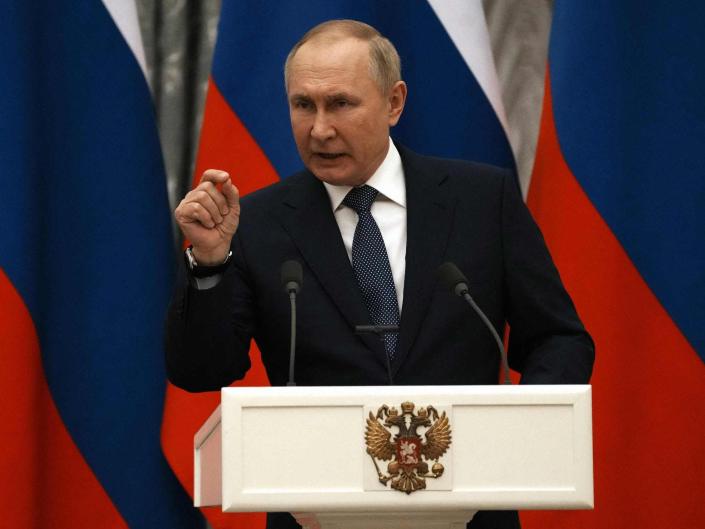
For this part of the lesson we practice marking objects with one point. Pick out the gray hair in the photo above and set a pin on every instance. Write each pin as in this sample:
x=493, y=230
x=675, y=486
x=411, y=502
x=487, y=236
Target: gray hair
x=385, y=65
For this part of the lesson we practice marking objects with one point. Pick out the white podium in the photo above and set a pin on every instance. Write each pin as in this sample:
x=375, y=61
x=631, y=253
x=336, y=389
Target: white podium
x=303, y=450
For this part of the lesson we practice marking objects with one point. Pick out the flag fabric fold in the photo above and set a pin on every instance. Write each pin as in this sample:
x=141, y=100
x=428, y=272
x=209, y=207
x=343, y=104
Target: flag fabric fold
x=86, y=274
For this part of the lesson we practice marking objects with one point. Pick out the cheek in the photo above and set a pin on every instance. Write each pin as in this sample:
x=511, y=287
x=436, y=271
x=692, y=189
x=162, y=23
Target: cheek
x=300, y=133
x=298, y=120
x=363, y=130
x=372, y=133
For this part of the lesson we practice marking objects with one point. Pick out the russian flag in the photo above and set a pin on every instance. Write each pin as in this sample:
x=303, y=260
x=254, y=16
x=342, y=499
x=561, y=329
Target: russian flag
x=85, y=275
x=619, y=191
x=453, y=109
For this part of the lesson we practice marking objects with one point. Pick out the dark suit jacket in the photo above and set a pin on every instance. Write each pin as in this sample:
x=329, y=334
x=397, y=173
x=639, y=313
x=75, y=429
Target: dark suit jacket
x=457, y=211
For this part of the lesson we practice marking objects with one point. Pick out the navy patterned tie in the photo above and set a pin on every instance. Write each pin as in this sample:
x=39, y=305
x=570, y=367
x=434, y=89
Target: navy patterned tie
x=371, y=265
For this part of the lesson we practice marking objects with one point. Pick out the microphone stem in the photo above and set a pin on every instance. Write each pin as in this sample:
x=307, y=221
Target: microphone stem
x=500, y=345
x=380, y=330
x=292, y=350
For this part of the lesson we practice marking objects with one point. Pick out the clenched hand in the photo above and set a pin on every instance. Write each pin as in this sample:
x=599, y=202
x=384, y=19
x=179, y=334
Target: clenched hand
x=209, y=216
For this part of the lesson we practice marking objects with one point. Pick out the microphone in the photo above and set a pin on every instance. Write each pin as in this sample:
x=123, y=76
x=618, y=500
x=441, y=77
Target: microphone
x=292, y=278
x=380, y=330
x=454, y=280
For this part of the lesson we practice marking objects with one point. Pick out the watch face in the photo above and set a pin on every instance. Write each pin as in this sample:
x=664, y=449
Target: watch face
x=190, y=259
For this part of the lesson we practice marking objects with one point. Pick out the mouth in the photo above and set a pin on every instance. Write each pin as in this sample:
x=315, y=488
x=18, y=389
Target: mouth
x=329, y=155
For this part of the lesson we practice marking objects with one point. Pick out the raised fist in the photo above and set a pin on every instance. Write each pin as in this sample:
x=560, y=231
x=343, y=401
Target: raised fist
x=209, y=216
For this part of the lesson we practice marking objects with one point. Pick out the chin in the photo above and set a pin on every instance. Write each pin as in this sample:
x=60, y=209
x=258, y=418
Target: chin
x=333, y=180
x=335, y=177
x=340, y=180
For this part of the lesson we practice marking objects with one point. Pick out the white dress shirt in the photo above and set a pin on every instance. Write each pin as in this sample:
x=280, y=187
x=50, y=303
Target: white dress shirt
x=388, y=210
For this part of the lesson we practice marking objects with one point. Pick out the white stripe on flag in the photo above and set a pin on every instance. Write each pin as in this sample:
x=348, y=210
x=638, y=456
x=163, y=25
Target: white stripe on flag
x=465, y=23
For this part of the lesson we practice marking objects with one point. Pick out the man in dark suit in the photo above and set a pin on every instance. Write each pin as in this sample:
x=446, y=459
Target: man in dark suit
x=345, y=92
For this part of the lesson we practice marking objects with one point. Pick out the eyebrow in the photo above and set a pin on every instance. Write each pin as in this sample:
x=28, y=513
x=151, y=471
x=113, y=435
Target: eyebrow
x=299, y=97
x=337, y=96
x=328, y=99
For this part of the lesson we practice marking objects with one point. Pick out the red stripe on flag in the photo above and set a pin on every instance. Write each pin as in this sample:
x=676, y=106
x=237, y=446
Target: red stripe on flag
x=45, y=480
x=225, y=144
x=648, y=383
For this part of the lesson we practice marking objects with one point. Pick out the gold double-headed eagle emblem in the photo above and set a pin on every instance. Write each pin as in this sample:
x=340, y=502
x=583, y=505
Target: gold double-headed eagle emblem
x=408, y=453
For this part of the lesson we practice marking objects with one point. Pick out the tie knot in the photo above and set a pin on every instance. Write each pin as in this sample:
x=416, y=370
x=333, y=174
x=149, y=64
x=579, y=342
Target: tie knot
x=360, y=198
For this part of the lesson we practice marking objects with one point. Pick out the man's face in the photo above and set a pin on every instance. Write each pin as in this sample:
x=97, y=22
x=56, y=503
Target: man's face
x=339, y=116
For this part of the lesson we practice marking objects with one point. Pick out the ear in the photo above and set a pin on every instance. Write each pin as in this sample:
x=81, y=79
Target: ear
x=397, y=98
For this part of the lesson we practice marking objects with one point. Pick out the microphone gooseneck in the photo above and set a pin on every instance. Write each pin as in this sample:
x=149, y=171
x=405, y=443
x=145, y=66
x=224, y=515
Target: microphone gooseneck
x=454, y=280
x=292, y=279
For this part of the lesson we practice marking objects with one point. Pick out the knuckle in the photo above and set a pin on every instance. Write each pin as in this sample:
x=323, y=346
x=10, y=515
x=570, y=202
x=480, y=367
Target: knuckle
x=200, y=191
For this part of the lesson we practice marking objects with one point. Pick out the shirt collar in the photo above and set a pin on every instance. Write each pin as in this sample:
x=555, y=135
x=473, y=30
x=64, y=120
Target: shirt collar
x=388, y=180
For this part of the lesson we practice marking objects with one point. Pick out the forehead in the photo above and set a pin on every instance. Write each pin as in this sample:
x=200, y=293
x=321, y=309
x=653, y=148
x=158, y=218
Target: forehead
x=330, y=60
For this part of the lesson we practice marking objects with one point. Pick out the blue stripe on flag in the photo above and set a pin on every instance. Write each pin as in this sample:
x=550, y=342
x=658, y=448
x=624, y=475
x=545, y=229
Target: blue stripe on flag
x=86, y=238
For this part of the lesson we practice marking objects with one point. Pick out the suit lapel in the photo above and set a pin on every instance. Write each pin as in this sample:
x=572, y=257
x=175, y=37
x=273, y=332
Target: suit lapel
x=429, y=219
x=307, y=216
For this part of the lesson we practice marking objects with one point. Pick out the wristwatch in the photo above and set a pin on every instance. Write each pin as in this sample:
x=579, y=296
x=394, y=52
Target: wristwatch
x=199, y=271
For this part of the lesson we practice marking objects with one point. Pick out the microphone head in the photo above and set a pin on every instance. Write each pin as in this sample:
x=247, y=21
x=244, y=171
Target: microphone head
x=292, y=276
x=452, y=278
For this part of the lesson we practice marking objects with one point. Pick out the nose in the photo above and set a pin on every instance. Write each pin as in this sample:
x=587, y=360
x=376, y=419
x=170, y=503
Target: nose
x=322, y=128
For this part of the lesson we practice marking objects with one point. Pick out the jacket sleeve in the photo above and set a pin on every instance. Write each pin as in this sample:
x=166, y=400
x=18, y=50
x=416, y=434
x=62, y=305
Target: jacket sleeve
x=548, y=343
x=208, y=332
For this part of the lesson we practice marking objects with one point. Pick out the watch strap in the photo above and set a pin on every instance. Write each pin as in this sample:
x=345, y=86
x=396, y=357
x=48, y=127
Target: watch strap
x=197, y=270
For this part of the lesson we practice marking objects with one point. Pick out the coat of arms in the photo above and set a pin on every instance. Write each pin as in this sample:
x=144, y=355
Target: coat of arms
x=408, y=453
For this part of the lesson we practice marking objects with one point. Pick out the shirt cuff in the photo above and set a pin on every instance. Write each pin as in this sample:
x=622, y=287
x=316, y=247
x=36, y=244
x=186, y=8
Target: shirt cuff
x=204, y=283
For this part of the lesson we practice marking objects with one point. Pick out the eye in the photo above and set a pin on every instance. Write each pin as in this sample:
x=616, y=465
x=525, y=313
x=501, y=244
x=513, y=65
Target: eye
x=302, y=104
